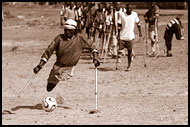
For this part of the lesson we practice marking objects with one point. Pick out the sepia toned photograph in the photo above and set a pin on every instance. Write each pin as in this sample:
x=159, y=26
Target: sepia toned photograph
x=94, y=63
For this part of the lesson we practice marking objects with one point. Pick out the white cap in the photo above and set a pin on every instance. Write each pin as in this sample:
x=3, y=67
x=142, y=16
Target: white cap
x=70, y=24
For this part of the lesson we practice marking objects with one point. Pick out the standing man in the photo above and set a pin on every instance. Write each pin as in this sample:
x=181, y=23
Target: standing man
x=84, y=14
x=62, y=11
x=69, y=11
x=117, y=28
x=99, y=24
x=109, y=28
x=78, y=16
x=174, y=26
x=151, y=17
x=127, y=35
x=90, y=20
x=68, y=47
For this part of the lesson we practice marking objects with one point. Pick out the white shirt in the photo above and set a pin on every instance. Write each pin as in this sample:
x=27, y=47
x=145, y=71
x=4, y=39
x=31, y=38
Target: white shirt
x=109, y=19
x=128, y=25
x=118, y=13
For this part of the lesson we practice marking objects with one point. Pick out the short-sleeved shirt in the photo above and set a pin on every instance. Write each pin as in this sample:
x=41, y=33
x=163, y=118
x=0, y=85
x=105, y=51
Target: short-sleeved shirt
x=99, y=19
x=173, y=27
x=90, y=16
x=128, y=24
x=69, y=14
x=152, y=12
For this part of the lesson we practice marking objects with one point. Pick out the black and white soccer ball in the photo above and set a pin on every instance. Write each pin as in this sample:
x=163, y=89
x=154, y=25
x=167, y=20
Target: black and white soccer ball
x=49, y=104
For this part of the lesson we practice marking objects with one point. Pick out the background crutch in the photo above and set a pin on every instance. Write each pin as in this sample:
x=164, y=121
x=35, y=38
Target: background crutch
x=107, y=42
x=146, y=34
x=117, y=59
x=156, y=33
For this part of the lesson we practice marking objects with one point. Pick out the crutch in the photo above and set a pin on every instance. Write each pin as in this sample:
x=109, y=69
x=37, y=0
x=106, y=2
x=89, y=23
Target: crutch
x=117, y=59
x=18, y=96
x=156, y=32
x=96, y=92
x=97, y=37
x=97, y=41
x=143, y=54
x=146, y=38
x=106, y=46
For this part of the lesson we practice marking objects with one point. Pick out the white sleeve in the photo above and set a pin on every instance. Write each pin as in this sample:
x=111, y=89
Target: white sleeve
x=137, y=20
x=121, y=14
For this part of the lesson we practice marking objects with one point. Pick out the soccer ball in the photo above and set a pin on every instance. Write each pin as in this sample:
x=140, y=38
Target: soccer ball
x=49, y=104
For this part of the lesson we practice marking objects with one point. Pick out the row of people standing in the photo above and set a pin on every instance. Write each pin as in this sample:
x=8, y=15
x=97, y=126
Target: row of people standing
x=97, y=20
x=108, y=22
x=110, y=26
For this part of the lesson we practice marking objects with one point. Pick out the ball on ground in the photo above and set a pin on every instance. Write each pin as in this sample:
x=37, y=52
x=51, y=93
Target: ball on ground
x=49, y=104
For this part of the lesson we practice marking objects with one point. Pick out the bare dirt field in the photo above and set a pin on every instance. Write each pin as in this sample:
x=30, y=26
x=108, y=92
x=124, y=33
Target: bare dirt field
x=152, y=95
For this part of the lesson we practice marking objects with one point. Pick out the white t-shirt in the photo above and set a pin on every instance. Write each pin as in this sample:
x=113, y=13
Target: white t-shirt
x=128, y=25
x=118, y=19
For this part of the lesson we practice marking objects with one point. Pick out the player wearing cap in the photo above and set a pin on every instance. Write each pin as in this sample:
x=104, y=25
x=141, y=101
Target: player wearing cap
x=68, y=48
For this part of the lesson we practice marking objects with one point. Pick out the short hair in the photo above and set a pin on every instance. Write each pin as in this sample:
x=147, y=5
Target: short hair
x=128, y=5
x=178, y=17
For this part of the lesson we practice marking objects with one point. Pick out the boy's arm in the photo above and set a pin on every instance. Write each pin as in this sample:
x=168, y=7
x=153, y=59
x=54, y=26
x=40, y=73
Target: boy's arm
x=46, y=55
x=92, y=48
x=139, y=28
x=137, y=20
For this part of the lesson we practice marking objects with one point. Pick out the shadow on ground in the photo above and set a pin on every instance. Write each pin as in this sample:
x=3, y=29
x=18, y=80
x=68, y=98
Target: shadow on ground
x=37, y=106
x=65, y=107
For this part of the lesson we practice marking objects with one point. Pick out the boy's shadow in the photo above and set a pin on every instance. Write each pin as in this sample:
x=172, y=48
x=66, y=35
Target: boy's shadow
x=37, y=106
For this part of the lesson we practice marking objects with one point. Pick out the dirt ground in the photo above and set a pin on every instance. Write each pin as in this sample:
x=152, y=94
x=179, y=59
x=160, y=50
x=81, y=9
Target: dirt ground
x=152, y=95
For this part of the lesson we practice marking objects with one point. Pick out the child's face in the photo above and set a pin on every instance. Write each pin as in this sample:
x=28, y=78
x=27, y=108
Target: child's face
x=69, y=33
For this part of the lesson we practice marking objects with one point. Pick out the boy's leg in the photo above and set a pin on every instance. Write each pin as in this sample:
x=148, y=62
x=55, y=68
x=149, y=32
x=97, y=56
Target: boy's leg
x=121, y=47
x=169, y=47
x=52, y=80
x=129, y=60
x=168, y=41
x=58, y=73
x=114, y=46
x=133, y=55
x=50, y=86
x=153, y=45
x=129, y=46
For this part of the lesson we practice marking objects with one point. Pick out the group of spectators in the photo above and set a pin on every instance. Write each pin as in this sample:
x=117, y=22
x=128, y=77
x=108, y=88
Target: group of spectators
x=100, y=20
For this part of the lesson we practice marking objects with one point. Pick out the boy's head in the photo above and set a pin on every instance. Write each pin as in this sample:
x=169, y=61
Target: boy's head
x=70, y=28
x=129, y=9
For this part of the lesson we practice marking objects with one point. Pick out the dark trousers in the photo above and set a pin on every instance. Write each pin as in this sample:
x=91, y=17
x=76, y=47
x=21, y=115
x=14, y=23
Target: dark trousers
x=168, y=35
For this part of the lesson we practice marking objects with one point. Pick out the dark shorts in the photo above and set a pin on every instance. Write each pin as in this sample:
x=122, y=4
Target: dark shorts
x=126, y=44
